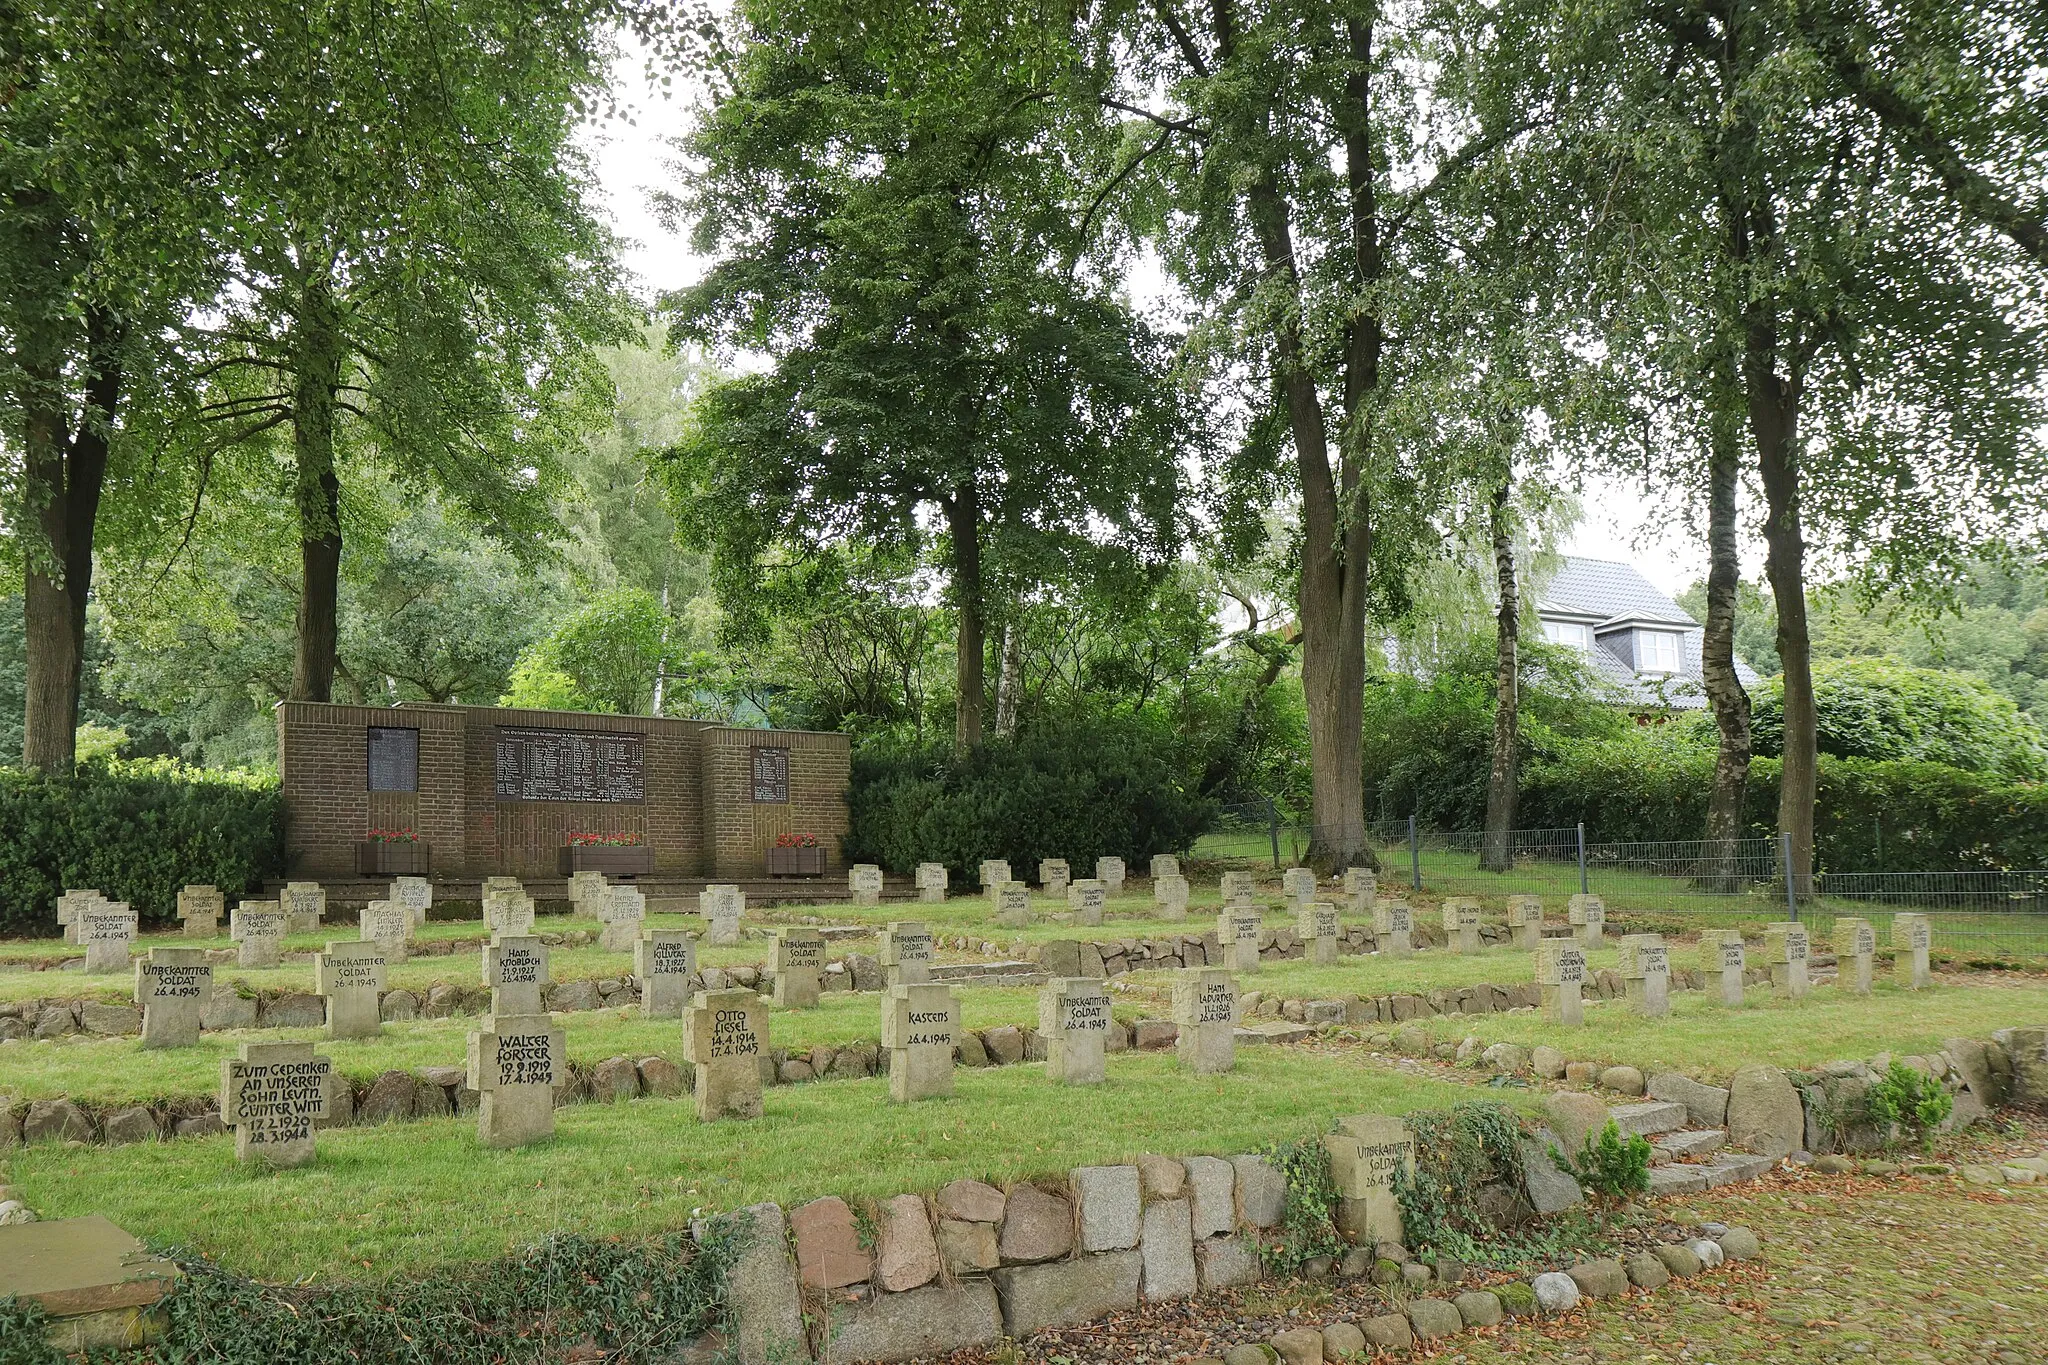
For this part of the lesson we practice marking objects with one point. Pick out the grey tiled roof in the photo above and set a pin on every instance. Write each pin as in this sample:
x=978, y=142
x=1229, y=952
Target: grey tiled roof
x=1603, y=590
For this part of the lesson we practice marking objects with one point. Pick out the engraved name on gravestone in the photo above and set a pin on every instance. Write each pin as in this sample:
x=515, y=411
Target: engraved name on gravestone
x=1237, y=930
x=1588, y=917
x=623, y=909
x=1170, y=895
x=933, y=881
x=1013, y=905
x=259, y=927
x=1461, y=924
x=172, y=985
x=303, y=903
x=1361, y=890
x=1110, y=872
x=1912, y=937
x=1085, y=898
x=721, y=905
x=664, y=962
x=906, y=953
x=1723, y=958
x=515, y=1063
x=1367, y=1152
x=1855, y=953
x=389, y=925
x=1561, y=972
x=201, y=907
x=864, y=880
x=351, y=977
x=920, y=1026
x=797, y=958
x=995, y=874
x=107, y=929
x=586, y=892
x=1645, y=970
x=415, y=894
x=1298, y=884
x=1205, y=1013
x=1525, y=921
x=1394, y=926
x=1787, y=948
x=1074, y=1018
x=1165, y=865
x=515, y=971
x=725, y=1035
x=1317, y=924
x=272, y=1095
x=68, y=906
x=1054, y=876
x=1237, y=887
x=508, y=913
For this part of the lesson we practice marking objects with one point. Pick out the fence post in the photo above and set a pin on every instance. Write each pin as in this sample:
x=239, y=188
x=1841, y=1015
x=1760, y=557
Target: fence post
x=1791, y=887
x=1273, y=824
x=1584, y=890
x=1414, y=857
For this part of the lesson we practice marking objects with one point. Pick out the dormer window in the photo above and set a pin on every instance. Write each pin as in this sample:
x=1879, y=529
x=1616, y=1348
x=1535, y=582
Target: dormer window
x=1568, y=633
x=1656, y=651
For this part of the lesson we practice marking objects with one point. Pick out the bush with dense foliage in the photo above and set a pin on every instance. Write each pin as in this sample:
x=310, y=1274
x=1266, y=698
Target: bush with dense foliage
x=135, y=830
x=1883, y=709
x=1078, y=789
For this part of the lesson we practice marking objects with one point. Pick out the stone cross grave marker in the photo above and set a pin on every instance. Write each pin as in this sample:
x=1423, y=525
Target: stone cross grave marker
x=1723, y=957
x=933, y=881
x=1165, y=865
x=415, y=894
x=1170, y=896
x=68, y=906
x=1855, y=953
x=515, y=971
x=503, y=883
x=1298, y=885
x=172, y=985
x=1361, y=890
x=1205, y=1012
x=1912, y=936
x=1461, y=924
x=721, y=907
x=1561, y=972
x=1013, y=905
x=271, y=1095
x=1111, y=872
x=259, y=927
x=1394, y=926
x=586, y=892
x=865, y=881
x=304, y=903
x=515, y=1063
x=1237, y=929
x=1366, y=1153
x=1054, y=876
x=1237, y=887
x=107, y=929
x=1588, y=917
x=906, y=953
x=995, y=874
x=664, y=961
x=1317, y=924
x=201, y=907
x=1086, y=898
x=797, y=957
x=1073, y=1018
x=621, y=914
x=389, y=925
x=1646, y=974
x=1525, y=921
x=351, y=976
x=508, y=913
x=920, y=1025
x=725, y=1035
x=1786, y=948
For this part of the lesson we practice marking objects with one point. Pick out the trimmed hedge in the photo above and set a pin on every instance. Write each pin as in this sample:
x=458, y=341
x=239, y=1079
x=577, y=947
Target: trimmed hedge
x=135, y=830
x=1079, y=791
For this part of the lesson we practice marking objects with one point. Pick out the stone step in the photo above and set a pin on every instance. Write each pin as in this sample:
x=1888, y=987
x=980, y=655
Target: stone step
x=1731, y=1168
x=1648, y=1118
x=1677, y=1180
x=1693, y=1142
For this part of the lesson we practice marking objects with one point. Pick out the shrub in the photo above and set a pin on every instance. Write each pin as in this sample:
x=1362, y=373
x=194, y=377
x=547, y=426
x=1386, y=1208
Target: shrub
x=1613, y=1164
x=136, y=830
x=1907, y=1104
x=1882, y=709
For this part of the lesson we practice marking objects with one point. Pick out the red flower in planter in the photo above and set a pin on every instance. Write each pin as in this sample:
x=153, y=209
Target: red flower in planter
x=393, y=836
x=593, y=839
x=796, y=841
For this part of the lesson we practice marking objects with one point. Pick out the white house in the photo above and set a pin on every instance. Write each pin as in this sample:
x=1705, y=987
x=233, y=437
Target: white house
x=1632, y=634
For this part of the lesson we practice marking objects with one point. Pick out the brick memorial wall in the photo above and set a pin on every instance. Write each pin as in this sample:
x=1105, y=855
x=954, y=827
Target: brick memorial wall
x=498, y=791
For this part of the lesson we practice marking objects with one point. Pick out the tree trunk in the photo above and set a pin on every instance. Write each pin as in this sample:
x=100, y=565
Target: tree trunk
x=963, y=520
x=1717, y=652
x=316, y=362
x=1496, y=852
x=1009, y=679
x=1774, y=424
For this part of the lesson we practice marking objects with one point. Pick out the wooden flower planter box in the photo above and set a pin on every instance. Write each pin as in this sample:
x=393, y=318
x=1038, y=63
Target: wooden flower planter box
x=614, y=860
x=384, y=858
x=796, y=862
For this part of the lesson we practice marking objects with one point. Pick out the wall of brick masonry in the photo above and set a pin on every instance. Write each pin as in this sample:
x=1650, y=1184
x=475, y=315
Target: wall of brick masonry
x=742, y=830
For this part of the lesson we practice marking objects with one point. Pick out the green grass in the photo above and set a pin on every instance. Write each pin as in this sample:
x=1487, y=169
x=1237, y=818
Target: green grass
x=383, y=1200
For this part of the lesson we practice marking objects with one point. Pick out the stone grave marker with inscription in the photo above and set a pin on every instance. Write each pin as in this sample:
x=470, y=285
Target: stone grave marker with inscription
x=1525, y=921
x=933, y=881
x=1787, y=947
x=1298, y=885
x=1086, y=898
x=1317, y=924
x=1165, y=865
x=721, y=905
x=107, y=929
x=515, y=1063
x=415, y=894
x=725, y=1035
x=304, y=903
x=508, y=913
x=1461, y=924
x=1237, y=929
x=259, y=927
x=1723, y=959
x=995, y=874
x=201, y=907
x=1588, y=917
x=1645, y=973
x=515, y=971
x=1054, y=876
x=68, y=906
x=1394, y=926
x=1855, y=953
x=1561, y=973
x=1361, y=890
x=1013, y=905
x=1074, y=1018
x=586, y=892
x=1205, y=1012
x=351, y=977
x=272, y=1095
x=1912, y=936
x=664, y=961
x=389, y=925
x=172, y=985
x=865, y=881
x=1237, y=887
x=797, y=958
x=621, y=914
x=1170, y=896
x=906, y=953
x=1367, y=1152
x=1111, y=873
x=920, y=1025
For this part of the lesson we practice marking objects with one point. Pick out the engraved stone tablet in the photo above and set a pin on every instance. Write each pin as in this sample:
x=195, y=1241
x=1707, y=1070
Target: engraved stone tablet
x=272, y=1095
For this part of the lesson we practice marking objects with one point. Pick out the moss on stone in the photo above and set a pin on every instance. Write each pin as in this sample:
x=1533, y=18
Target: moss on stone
x=1517, y=1299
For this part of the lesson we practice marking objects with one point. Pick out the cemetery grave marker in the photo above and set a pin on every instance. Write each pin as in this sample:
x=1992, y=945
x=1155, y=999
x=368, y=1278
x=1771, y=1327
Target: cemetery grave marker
x=865, y=881
x=259, y=927
x=503, y=884
x=1013, y=905
x=1361, y=889
x=906, y=953
x=1054, y=876
x=1588, y=917
x=172, y=985
x=389, y=925
x=515, y=1063
x=1366, y=1153
x=1855, y=953
x=1086, y=898
x=621, y=914
x=664, y=960
x=721, y=906
x=1074, y=1018
x=995, y=874
x=725, y=1036
x=508, y=913
x=1165, y=865
x=1646, y=974
x=933, y=881
x=1394, y=927
x=271, y=1095
x=920, y=1025
x=201, y=907
x=1317, y=924
x=350, y=976
x=1723, y=955
x=1912, y=936
x=107, y=929
x=586, y=892
x=1561, y=972
x=1237, y=929
x=1461, y=924
x=415, y=894
x=1786, y=948
x=1237, y=887
x=515, y=971
x=68, y=906
x=304, y=903
x=1205, y=1012
x=1525, y=921
x=1111, y=873
x=797, y=958
x=1170, y=895
x=1298, y=885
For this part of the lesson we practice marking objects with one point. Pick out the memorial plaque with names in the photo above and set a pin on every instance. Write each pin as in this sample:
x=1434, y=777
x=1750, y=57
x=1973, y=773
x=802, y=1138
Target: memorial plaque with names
x=771, y=776
x=394, y=759
x=570, y=765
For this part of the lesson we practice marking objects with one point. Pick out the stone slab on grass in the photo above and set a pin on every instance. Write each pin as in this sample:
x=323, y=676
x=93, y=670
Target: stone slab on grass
x=1067, y=1293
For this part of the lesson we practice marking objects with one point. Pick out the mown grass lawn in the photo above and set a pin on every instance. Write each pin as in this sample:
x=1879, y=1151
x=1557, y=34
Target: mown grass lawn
x=389, y=1199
